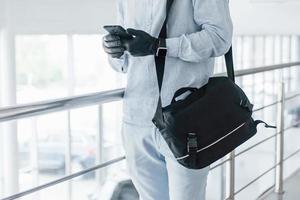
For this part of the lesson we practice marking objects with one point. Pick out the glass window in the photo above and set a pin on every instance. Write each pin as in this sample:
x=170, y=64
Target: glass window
x=92, y=70
x=41, y=67
x=44, y=67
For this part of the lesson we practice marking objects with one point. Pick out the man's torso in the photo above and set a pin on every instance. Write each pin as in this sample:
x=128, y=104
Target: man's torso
x=141, y=94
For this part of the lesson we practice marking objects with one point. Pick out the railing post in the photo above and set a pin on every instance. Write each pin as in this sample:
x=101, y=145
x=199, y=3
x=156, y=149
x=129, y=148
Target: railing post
x=280, y=141
x=68, y=155
x=8, y=95
x=100, y=174
x=68, y=139
x=1, y=164
x=34, y=156
x=230, y=176
x=297, y=57
x=223, y=181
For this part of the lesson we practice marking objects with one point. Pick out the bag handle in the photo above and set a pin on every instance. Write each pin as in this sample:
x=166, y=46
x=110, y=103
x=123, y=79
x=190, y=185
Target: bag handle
x=182, y=91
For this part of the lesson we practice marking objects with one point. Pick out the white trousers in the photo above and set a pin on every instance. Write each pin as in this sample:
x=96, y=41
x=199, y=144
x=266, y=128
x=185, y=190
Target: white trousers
x=154, y=170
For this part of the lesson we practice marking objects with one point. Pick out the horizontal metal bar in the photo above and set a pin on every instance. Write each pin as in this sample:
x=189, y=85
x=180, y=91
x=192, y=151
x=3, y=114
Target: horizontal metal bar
x=293, y=97
x=276, y=102
x=254, y=180
x=269, y=190
x=72, y=176
x=266, y=106
x=218, y=165
x=23, y=111
x=44, y=107
x=292, y=155
x=64, y=179
x=251, y=147
x=255, y=145
x=292, y=126
x=34, y=109
x=56, y=105
x=266, y=172
x=244, y=151
x=256, y=70
x=264, y=140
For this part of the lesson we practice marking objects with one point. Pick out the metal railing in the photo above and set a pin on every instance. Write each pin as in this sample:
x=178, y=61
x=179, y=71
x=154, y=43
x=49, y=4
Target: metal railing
x=45, y=107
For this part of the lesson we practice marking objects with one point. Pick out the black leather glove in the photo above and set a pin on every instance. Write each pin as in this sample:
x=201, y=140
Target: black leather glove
x=142, y=44
x=113, y=46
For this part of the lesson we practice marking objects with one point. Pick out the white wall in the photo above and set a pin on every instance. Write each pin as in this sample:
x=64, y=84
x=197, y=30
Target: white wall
x=2, y=13
x=69, y=16
x=266, y=16
x=60, y=16
x=77, y=16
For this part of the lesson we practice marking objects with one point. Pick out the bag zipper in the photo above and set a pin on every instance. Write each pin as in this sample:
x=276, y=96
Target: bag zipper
x=208, y=146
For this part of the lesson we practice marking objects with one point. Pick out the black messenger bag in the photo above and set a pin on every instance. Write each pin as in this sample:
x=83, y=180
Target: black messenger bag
x=210, y=122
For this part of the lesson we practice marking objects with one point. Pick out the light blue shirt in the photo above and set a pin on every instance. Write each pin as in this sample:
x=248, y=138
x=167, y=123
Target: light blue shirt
x=198, y=31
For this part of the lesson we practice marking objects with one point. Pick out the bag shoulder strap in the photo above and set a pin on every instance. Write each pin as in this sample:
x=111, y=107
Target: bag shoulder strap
x=230, y=65
x=160, y=61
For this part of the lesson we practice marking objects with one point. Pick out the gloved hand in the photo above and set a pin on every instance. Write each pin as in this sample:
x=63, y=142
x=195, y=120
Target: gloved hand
x=142, y=44
x=113, y=46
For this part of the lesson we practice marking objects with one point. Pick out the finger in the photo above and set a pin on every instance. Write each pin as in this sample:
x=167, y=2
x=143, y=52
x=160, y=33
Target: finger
x=110, y=38
x=114, y=50
x=135, y=32
x=113, y=44
x=109, y=49
x=116, y=55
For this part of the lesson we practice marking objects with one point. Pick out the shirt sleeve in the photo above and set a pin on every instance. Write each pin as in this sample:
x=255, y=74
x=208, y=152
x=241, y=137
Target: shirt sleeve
x=215, y=35
x=120, y=64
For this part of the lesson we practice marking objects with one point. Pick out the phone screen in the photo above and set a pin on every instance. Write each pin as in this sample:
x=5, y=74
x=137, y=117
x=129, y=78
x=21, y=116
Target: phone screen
x=118, y=30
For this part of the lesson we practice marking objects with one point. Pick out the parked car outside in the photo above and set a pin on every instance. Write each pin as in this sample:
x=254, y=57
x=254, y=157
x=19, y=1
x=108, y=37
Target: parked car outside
x=51, y=152
x=118, y=186
x=295, y=113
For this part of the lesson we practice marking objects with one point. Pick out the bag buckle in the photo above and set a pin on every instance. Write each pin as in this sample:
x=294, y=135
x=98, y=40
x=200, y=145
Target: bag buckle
x=192, y=144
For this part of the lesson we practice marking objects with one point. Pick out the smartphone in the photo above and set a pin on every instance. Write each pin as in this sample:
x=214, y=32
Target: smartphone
x=118, y=30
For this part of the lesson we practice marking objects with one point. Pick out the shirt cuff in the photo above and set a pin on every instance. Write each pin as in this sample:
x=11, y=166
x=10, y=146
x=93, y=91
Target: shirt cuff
x=119, y=64
x=173, y=45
